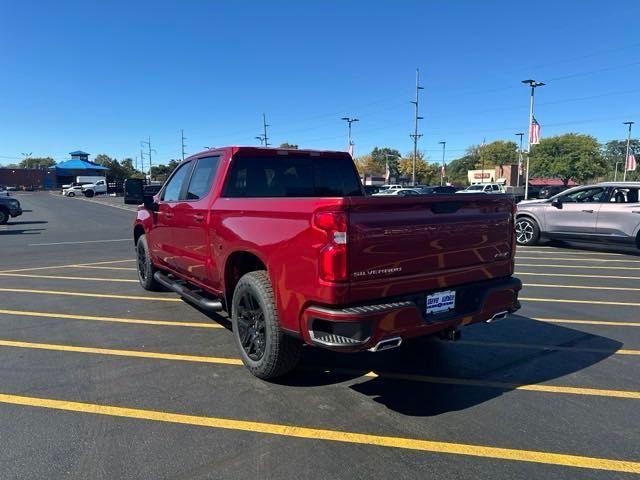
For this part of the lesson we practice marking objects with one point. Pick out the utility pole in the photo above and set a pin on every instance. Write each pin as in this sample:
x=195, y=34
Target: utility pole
x=182, y=138
x=150, y=150
x=626, y=157
x=444, y=144
x=519, y=159
x=349, y=121
x=533, y=84
x=415, y=135
x=261, y=138
x=264, y=126
x=141, y=161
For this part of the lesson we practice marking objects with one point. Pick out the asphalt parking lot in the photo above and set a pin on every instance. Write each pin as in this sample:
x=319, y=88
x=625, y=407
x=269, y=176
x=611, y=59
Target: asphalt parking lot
x=101, y=379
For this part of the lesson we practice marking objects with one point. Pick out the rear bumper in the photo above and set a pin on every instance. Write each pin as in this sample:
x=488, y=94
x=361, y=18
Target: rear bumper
x=361, y=327
x=15, y=212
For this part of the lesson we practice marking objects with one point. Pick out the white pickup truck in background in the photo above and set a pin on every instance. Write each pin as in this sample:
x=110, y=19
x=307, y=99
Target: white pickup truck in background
x=98, y=187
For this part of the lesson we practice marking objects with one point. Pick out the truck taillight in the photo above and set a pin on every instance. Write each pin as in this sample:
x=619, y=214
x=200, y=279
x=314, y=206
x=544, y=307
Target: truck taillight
x=333, y=255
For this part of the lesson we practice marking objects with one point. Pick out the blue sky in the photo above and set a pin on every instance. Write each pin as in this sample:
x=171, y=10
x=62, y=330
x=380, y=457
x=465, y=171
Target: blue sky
x=102, y=76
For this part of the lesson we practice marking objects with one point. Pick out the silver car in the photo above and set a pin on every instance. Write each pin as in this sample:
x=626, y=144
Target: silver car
x=608, y=211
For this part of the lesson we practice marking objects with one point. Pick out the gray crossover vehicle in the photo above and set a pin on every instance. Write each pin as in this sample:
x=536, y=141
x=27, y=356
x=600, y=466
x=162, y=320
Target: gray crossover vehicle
x=608, y=211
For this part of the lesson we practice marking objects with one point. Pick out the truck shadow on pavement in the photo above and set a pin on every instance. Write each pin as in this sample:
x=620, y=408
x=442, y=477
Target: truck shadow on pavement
x=432, y=377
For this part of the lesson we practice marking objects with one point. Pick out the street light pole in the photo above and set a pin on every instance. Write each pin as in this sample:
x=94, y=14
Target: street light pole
x=615, y=173
x=626, y=157
x=444, y=144
x=533, y=84
x=349, y=121
x=519, y=159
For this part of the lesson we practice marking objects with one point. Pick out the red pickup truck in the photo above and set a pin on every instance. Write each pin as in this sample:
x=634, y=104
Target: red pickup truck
x=287, y=243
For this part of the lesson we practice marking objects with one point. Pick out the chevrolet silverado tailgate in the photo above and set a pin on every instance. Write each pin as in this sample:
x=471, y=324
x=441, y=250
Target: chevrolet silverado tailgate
x=407, y=244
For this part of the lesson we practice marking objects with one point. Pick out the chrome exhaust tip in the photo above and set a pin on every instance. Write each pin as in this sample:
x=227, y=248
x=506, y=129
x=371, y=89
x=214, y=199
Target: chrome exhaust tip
x=386, y=344
x=498, y=316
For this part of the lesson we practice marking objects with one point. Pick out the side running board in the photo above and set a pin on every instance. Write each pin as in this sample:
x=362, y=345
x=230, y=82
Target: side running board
x=193, y=296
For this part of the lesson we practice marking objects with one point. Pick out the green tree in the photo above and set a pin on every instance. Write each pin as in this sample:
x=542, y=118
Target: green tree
x=162, y=171
x=615, y=151
x=366, y=165
x=291, y=146
x=426, y=173
x=457, y=169
x=37, y=162
x=568, y=157
x=497, y=153
x=118, y=170
x=381, y=156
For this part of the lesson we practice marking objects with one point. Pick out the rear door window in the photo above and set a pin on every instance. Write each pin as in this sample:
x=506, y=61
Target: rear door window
x=291, y=176
x=202, y=177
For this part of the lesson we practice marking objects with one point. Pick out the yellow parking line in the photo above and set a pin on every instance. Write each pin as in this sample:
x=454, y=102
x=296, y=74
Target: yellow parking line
x=518, y=257
x=554, y=274
x=109, y=319
x=94, y=295
x=588, y=322
x=395, y=376
x=590, y=302
x=316, y=434
x=584, y=287
x=565, y=252
x=533, y=346
x=100, y=267
x=29, y=269
x=122, y=353
x=59, y=277
x=602, y=267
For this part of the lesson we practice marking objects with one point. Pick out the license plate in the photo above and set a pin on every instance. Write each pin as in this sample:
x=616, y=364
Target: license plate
x=441, y=301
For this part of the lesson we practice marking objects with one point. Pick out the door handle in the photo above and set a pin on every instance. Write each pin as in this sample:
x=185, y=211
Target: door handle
x=587, y=211
x=198, y=218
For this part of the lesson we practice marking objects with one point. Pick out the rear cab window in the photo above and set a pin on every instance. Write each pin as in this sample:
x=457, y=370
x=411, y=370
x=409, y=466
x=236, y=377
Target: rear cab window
x=292, y=176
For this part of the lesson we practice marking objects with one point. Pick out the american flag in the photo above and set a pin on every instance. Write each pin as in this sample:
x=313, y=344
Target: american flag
x=631, y=163
x=534, y=132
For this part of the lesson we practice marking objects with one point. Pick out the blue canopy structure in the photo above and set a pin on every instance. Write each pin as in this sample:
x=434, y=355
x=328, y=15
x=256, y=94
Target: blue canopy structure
x=76, y=164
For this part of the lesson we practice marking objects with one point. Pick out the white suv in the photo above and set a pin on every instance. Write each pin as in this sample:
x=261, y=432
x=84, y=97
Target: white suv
x=483, y=188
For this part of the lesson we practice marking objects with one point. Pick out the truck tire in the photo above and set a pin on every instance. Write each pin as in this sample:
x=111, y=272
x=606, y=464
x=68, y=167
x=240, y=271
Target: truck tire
x=265, y=349
x=4, y=216
x=527, y=231
x=89, y=193
x=145, y=266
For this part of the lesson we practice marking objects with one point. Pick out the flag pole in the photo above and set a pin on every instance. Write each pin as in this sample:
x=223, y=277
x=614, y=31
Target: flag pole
x=626, y=157
x=533, y=84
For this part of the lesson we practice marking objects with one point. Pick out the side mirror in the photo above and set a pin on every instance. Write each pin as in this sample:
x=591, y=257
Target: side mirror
x=556, y=202
x=149, y=202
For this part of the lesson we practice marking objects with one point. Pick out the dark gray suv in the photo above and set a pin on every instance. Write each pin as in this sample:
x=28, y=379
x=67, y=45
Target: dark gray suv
x=608, y=211
x=9, y=207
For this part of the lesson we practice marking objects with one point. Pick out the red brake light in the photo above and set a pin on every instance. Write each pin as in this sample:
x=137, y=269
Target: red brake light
x=333, y=255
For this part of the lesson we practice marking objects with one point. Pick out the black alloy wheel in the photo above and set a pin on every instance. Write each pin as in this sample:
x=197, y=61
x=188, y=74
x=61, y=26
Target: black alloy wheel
x=251, y=326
